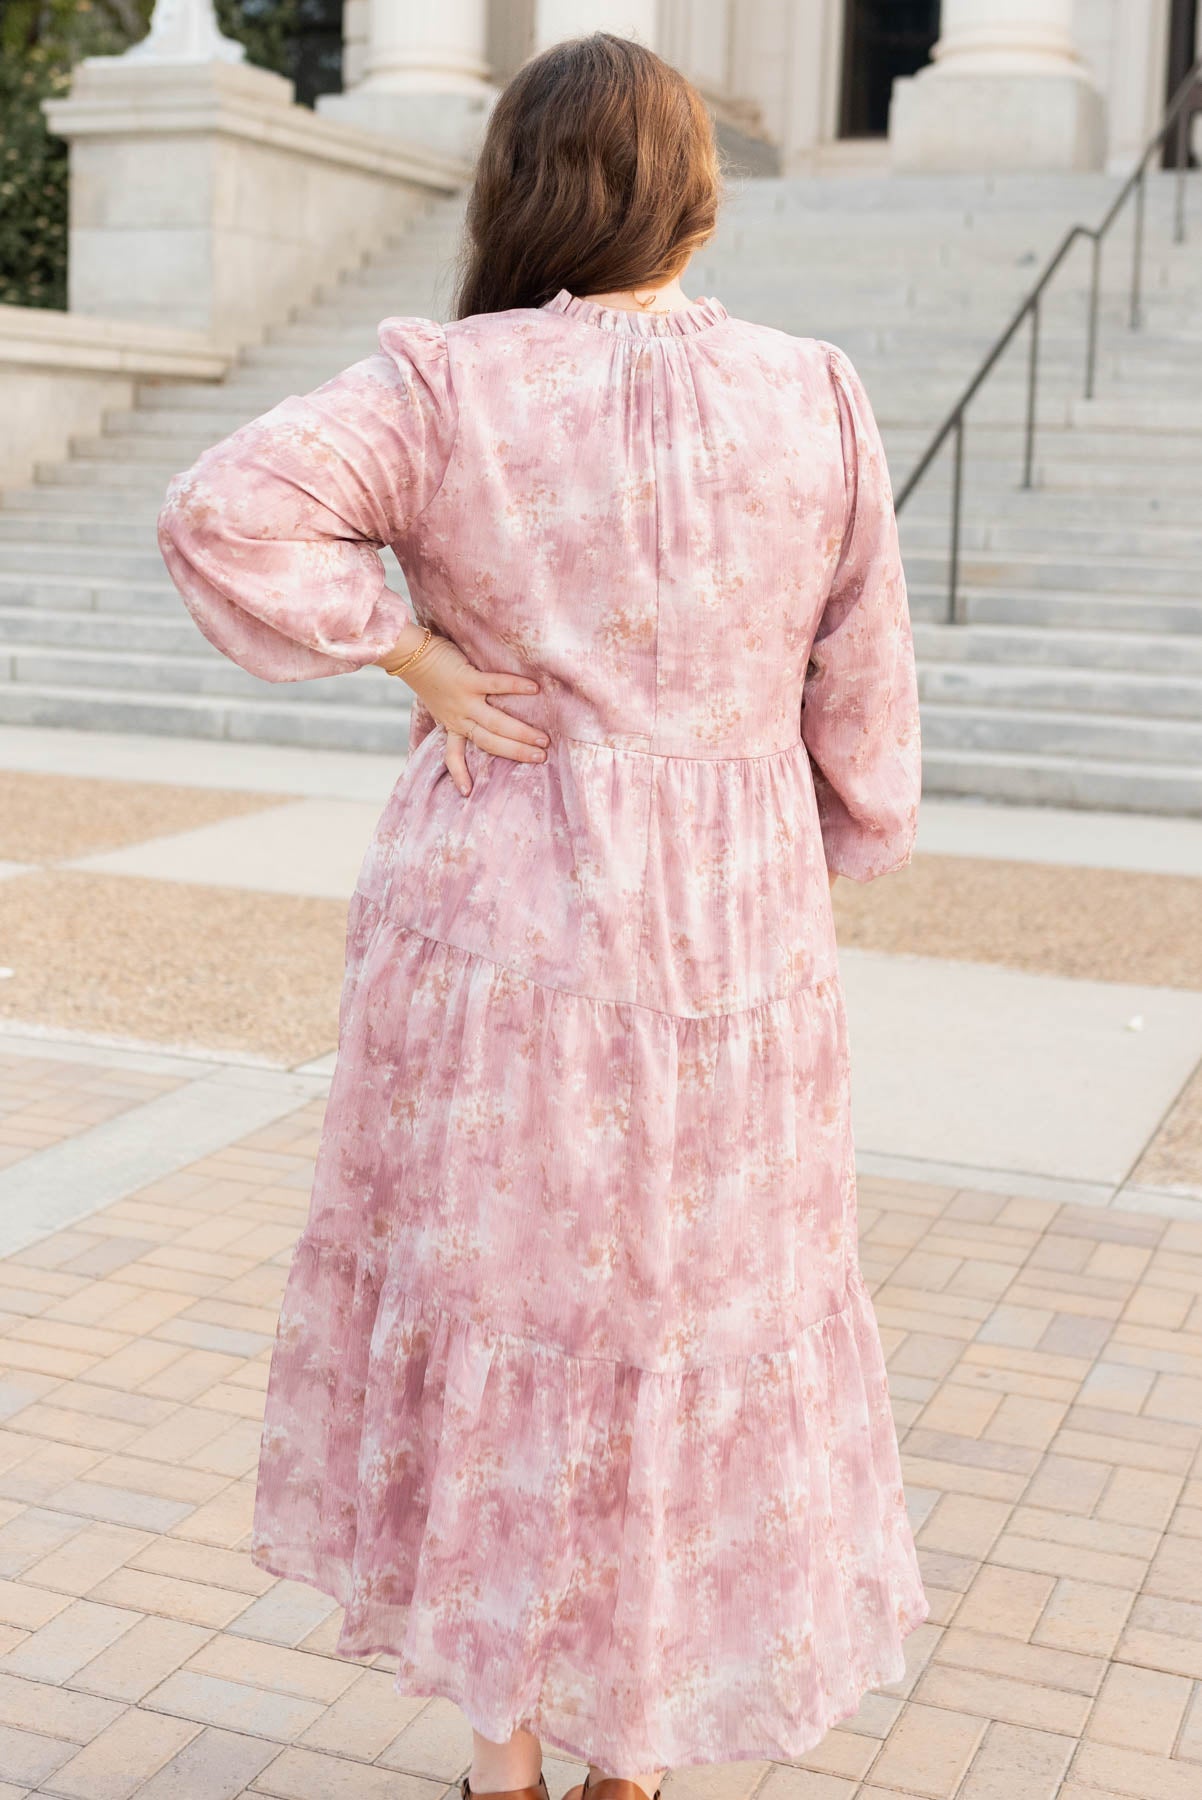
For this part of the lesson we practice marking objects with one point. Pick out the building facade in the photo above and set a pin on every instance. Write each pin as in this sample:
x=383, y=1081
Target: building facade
x=814, y=85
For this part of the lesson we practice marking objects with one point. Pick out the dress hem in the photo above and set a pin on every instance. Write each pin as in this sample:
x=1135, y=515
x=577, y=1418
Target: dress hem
x=594, y=1750
x=436, y=1484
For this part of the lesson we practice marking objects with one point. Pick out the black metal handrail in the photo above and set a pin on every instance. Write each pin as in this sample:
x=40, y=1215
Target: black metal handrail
x=1180, y=110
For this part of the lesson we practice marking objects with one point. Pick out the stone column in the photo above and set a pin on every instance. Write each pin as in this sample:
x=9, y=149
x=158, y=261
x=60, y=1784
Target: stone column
x=556, y=19
x=425, y=74
x=1006, y=91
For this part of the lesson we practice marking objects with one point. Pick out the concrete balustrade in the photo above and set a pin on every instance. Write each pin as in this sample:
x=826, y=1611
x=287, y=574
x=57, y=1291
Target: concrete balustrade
x=203, y=197
x=206, y=207
x=59, y=375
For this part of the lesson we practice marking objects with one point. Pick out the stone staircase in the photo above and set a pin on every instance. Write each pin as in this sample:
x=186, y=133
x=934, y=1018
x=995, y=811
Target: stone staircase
x=1077, y=677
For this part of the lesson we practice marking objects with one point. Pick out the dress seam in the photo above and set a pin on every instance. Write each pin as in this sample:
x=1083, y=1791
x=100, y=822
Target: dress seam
x=853, y=1285
x=655, y=677
x=741, y=1012
x=680, y=755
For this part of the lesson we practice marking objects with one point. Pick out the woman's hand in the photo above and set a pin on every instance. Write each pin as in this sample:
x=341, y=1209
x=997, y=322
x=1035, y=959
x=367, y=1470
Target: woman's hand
x=456, y=693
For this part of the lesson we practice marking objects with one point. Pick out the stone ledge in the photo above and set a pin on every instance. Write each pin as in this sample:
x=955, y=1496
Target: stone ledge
x=113, y=98
x=36, y=337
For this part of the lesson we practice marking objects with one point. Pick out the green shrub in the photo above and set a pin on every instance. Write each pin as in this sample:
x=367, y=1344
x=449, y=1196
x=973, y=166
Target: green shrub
x=42, y=40
x=33, y=183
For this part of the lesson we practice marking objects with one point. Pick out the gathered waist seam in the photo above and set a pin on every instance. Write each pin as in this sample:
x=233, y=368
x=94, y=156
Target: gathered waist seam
x=681, y=755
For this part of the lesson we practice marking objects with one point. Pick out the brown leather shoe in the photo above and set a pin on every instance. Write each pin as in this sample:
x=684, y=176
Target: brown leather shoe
x=538, y=1792
x=610, y=1787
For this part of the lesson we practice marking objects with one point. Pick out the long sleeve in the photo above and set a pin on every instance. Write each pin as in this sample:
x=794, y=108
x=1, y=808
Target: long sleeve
x=273, y=536
x=859, y=717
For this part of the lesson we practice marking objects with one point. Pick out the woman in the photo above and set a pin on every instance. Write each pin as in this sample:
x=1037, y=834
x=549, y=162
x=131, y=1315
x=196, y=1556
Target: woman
x=577, y=1403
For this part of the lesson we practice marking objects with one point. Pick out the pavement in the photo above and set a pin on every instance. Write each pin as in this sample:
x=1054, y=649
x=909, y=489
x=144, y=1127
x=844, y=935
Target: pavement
x=1025, y=1006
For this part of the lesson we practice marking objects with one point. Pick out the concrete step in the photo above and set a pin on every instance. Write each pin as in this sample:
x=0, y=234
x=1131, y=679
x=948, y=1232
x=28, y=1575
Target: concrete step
x=1141, y=694
x=85, y=592
x=1063, y=475
x=941, y=257
x=1029, y=778
x=788, y=293
x=197, y=671
x=101, y=565
x=1137, y=413
x=1063, y=611
x=166, y=427
x=90, y=500
x=112, y=474
x=1012, y=647
x=1057, y=443
x=330, y=727
x=929, y=532
x=896, y=194
x=1012, y=505
x=1030, y=574
x=116, y=582
x=948, y=725
x=35, y=525
x=158, y=633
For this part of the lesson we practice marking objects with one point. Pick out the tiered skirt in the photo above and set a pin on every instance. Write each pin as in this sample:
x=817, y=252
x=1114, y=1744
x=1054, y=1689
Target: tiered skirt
x=577, y=1404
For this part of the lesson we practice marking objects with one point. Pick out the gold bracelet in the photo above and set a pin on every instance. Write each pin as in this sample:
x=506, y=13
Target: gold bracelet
x=409, y=661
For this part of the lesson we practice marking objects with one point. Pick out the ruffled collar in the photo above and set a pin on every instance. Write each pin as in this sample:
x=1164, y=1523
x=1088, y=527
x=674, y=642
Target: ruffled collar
x=699, y=315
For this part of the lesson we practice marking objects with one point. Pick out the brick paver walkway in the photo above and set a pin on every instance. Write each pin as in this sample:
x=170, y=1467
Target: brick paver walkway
x=44, y=1103
x=1047, y=1371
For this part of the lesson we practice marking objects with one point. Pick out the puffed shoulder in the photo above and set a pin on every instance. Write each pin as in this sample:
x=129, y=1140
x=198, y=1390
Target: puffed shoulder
x=842, y=370
x=861, y=432
x=421, y=344
x=418, y=362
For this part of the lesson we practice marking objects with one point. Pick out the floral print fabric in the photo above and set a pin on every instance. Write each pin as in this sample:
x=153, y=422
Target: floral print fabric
x=577, y=1402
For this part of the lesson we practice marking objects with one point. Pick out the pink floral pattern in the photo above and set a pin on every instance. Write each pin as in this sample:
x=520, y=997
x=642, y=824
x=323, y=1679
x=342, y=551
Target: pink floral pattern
x=577, y=1403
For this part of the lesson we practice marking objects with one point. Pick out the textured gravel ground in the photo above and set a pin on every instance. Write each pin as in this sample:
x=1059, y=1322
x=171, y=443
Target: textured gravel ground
x=213, y=968
x=1174, y=1157
x=1103, y=924
x=50, y=818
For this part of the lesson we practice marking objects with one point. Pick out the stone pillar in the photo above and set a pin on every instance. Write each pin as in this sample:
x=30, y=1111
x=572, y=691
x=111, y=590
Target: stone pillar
x=1006, y=91
x=556, y=19
x=425, y=74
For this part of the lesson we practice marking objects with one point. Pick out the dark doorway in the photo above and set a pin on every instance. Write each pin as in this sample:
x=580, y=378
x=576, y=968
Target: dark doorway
x=298, y=38
x=882, y=39
x=1183, y=36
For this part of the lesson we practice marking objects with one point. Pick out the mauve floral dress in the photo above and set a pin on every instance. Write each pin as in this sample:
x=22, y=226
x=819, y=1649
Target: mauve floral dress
x=577, y=1403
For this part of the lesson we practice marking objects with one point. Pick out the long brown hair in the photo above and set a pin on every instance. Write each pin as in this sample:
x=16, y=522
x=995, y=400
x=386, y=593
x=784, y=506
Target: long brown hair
x=599, y=172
